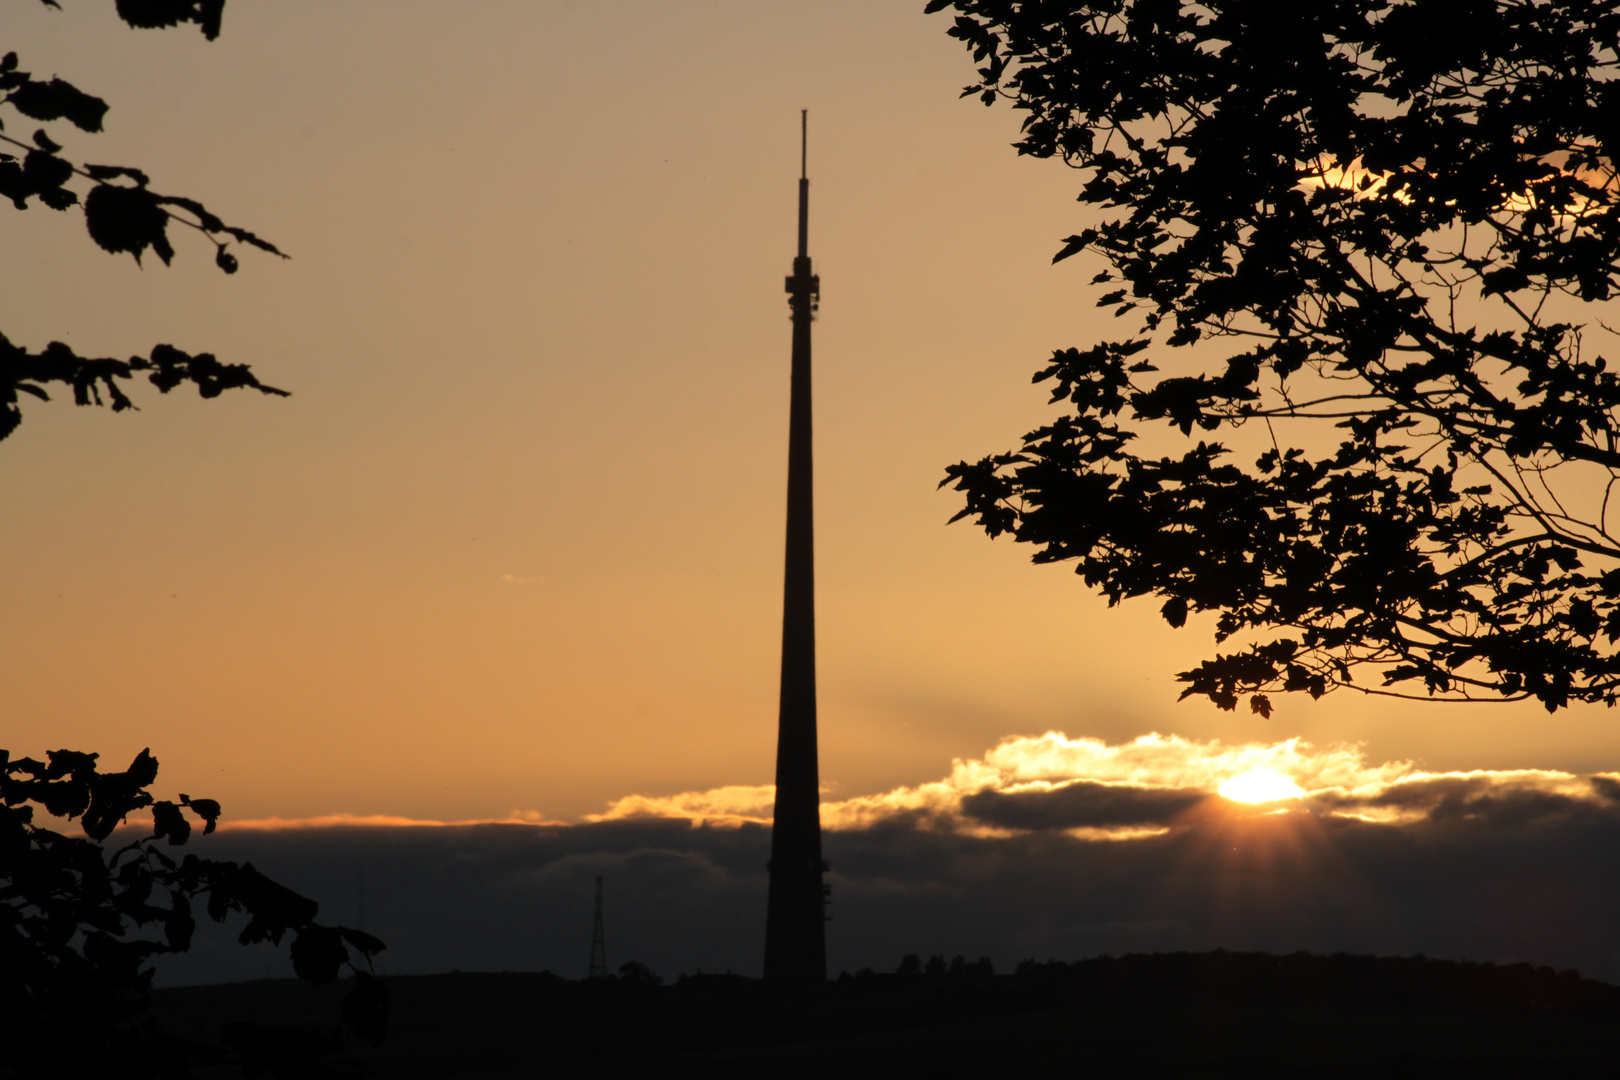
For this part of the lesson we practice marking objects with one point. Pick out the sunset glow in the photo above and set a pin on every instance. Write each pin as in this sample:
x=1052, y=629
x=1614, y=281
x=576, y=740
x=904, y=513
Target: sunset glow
x=416, y=587
x=1260, y=786
x=1094, y=790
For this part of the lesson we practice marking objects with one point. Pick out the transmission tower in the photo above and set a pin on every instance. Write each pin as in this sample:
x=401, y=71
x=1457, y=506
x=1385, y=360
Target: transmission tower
x=598, y=941
x=795, y=937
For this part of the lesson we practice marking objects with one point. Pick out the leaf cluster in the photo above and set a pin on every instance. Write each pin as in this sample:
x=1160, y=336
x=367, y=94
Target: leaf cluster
x=24, y=372
x=1391, y=208
x=162, y=14
x=79, y=924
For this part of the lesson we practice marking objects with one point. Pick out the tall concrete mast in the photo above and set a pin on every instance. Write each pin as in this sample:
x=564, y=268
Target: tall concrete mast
x=795, y=930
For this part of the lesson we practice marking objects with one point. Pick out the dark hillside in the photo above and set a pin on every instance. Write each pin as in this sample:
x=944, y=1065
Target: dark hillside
x=1165, y=1015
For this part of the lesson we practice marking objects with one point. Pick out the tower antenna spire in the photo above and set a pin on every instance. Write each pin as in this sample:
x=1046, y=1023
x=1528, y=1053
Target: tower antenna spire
x=795, y=930
x=804, y=203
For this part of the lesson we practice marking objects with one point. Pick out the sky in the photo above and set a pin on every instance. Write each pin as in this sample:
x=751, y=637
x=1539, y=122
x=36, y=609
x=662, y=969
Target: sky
x=512, y=548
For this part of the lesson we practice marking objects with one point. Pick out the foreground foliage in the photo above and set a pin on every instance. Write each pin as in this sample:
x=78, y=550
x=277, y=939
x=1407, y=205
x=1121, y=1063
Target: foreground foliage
x=1405, y=215
x=79, y=924
x=123, y=214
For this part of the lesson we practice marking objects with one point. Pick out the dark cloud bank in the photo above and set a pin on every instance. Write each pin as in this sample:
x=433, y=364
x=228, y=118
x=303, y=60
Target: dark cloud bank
x=1481, y=873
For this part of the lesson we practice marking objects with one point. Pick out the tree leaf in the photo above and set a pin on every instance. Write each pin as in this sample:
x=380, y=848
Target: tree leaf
x=125, y=219
x=58, y=100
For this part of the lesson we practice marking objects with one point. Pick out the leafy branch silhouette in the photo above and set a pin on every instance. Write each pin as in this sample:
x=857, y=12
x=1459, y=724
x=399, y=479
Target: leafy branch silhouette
x=1403, y=215
x=123, y=215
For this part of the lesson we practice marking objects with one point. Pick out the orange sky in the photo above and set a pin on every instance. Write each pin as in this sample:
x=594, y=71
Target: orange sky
x=514, y=544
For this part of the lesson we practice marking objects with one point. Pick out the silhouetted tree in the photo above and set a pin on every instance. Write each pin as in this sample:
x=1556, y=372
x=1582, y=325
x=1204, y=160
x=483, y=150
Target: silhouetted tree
x=78, y=924
x=963, y=968
x=123, y=214
x=1401, y=214
x=635, y=973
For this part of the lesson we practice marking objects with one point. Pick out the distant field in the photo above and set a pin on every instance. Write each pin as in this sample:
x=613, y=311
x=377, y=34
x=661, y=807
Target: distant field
x=1172, y=1015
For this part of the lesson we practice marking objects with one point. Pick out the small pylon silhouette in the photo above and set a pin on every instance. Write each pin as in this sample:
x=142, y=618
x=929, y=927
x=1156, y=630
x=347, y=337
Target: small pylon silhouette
x=598, y=968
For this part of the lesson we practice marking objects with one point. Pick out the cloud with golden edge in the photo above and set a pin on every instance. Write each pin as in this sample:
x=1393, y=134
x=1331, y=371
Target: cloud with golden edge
x=1094, y=790
x=734, y=805
x=380, y=821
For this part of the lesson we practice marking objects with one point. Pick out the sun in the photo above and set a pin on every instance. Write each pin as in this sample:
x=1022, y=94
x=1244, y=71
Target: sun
x=1260, y=786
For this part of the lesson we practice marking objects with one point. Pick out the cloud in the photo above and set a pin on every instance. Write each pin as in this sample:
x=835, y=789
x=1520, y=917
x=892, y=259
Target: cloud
x=1079, y=804
x=733, y=805
x=1001, y=857
x=1521, y=792
x=1054, y=781
x=1129, y=790
x=327, y=821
